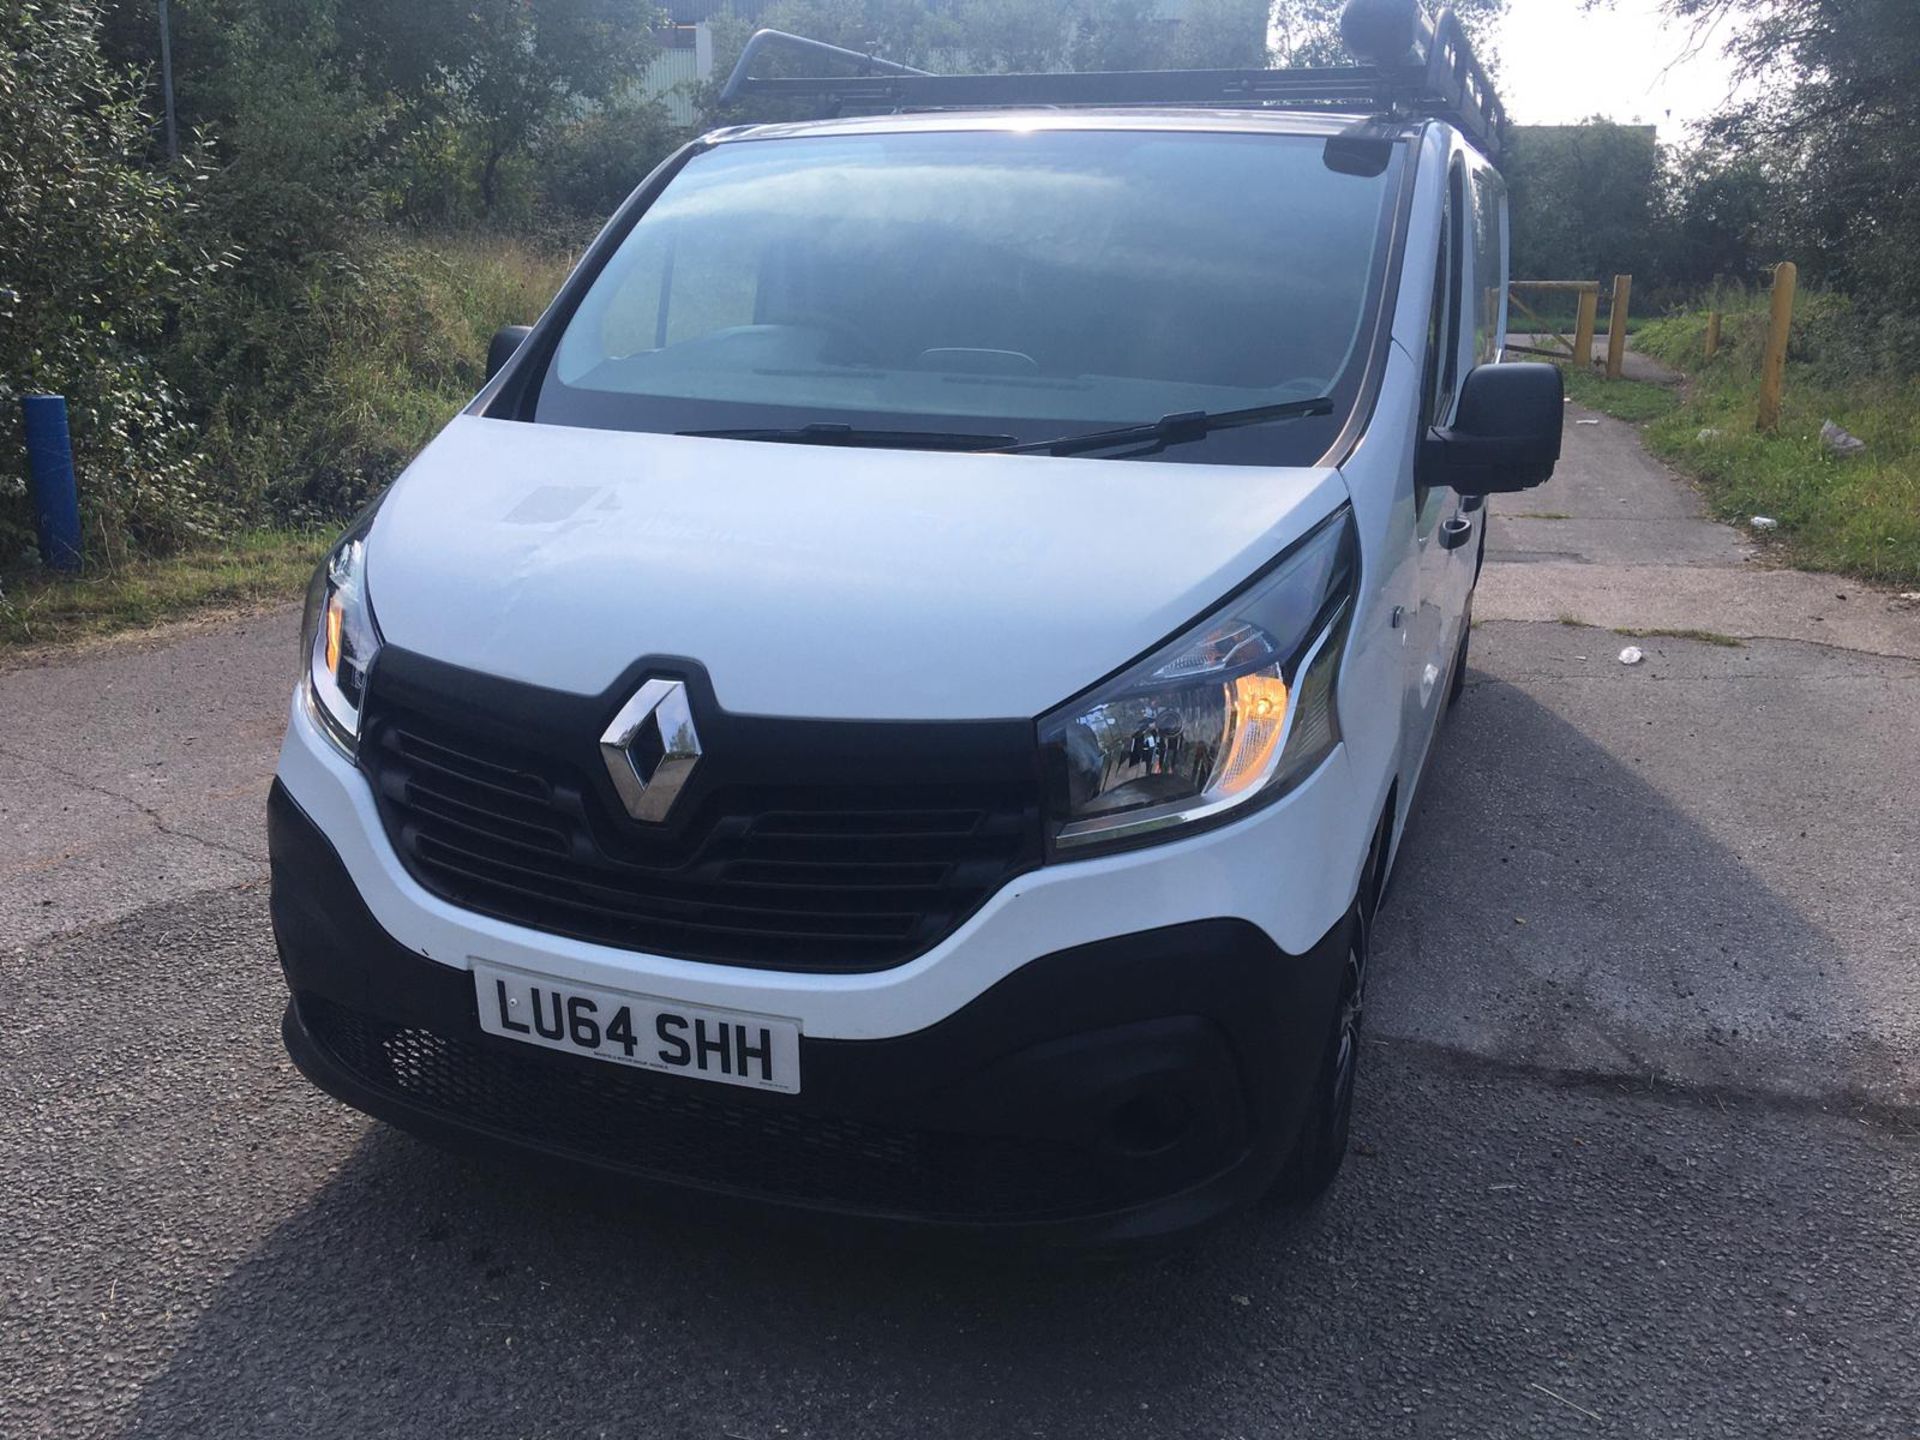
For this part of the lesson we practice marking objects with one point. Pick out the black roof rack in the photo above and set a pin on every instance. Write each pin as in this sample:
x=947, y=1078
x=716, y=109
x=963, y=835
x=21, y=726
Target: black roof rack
x=1416, y=68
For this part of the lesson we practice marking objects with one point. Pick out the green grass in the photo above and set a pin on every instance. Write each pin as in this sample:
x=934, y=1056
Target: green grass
x=256, y=568
x=1634, y=400
x=389, y=355
x=1709, y=637
x=474, y=284
x=1859, y=516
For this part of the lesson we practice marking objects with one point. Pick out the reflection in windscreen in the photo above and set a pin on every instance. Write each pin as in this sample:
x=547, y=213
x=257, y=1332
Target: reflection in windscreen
x=993, y=281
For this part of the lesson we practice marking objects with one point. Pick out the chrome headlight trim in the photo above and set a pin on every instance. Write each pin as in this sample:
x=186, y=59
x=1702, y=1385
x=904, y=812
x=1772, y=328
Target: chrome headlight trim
x=339, y=638
x=1133, y=825
x=1182, y=738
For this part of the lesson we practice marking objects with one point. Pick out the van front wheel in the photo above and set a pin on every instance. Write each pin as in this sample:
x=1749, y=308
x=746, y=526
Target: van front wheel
x=1322, y=1146
x=1457, y=686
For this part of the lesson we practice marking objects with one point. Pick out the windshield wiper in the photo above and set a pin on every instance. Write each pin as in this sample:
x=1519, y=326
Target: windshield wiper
x=1158, y=435
x=853, y=435
x=1174, y=429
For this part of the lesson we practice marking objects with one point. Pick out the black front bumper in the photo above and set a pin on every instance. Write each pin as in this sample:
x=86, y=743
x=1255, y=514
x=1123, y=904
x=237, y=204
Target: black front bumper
x=1120, y=1090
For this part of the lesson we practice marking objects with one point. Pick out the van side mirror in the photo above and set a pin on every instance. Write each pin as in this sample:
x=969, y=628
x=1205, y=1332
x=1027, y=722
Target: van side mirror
x=500, y=349
x=1505, y=434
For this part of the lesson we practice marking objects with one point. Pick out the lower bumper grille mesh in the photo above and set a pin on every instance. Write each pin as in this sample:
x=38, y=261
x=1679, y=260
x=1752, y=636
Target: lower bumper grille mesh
x=630, y=1120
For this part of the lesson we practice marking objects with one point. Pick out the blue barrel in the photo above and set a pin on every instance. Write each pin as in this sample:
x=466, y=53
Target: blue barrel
x=56, y=497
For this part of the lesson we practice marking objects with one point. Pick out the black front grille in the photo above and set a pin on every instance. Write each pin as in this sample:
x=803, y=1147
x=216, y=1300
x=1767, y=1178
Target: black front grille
x=629, y=1120
x=824, y=871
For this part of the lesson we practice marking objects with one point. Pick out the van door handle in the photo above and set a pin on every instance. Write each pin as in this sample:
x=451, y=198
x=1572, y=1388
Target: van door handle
x=1455, y=532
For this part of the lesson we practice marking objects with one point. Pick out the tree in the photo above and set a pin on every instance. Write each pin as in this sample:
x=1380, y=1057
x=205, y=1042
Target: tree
x=1012, y=35
x=1308, y=31
x=1141, y=35
x=589, y=164
x=1120, y=35
x=93, y=268
x=1724, y=208
x=909, y=31
x=1835, y=119
x=506, y=66
x=1587, y=200
x=1222, y=34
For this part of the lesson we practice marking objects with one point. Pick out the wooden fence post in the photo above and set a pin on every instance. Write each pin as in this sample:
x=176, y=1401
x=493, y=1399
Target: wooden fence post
x=1583, y=329
x=1617, y=326
x=1713, y=333
x=1773, y=370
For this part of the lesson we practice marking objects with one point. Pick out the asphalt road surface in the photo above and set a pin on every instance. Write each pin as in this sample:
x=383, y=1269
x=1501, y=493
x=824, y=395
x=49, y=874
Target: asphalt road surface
x=1638, y=1151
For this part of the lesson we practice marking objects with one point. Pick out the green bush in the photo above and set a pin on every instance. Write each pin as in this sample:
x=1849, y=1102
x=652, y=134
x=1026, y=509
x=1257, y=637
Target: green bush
x=377, y=354
x=333, y=345
x=433, y=178
x=95, y=264
x=1837, y=339
x=591, y=163
x=339, y=341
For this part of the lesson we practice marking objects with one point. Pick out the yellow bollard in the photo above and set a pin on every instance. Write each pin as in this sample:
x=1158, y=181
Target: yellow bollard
x=1773, y=369
x=1583, y=330
x=1713, y=333
x=1617, y=326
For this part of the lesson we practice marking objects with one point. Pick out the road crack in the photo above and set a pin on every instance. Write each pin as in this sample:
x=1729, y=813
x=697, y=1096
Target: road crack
x=160, y=823
x=1901, y=1118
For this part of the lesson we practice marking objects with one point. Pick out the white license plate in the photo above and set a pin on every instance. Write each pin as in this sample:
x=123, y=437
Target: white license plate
x=729, y=1046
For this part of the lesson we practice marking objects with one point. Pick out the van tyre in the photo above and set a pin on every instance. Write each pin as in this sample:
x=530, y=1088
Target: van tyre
x=1327, y=1130
x=1457, y=686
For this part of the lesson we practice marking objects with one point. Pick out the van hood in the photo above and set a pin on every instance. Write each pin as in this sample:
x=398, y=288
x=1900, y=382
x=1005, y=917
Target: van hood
x=813, y=581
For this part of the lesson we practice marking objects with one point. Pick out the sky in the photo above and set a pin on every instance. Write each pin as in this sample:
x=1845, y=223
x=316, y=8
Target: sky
x=1559, y=66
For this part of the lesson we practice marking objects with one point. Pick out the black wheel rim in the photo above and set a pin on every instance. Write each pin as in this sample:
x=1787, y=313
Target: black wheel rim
x=1346, y=1057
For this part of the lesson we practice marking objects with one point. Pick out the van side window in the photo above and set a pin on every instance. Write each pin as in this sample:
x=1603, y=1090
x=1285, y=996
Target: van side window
x=1489, y=262
x=1453, y=228
x=1442, y=379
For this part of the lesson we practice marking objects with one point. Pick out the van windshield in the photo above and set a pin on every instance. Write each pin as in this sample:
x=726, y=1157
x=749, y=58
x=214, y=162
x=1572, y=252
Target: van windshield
x=1016, y=284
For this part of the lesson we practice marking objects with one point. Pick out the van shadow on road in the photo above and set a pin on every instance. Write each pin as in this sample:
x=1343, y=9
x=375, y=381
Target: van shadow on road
x=1507, y=1252
x=1562, y=903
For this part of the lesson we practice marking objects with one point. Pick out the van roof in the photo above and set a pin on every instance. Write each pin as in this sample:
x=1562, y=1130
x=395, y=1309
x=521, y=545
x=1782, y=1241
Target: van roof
x=1418, y=69
x=1270, y=122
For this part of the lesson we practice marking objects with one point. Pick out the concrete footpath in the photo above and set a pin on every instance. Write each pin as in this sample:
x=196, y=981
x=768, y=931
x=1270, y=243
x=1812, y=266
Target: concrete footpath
x=1616, y=540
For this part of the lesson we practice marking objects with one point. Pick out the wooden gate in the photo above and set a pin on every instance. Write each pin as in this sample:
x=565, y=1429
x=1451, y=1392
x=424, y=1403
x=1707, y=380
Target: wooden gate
x=1577, y=347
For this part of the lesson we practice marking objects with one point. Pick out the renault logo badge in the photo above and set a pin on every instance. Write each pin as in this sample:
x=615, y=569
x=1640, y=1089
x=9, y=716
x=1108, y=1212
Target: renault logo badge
x=651, y=748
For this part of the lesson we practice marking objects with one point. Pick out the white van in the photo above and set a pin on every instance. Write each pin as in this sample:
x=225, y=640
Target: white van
x=900, y=696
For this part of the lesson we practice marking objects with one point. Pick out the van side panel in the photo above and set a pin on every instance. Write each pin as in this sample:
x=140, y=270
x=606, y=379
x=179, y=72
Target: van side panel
x=1396, y=425
x=1379, y=479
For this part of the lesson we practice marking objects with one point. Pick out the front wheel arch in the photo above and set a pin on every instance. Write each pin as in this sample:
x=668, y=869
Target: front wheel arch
x=1325, y=1133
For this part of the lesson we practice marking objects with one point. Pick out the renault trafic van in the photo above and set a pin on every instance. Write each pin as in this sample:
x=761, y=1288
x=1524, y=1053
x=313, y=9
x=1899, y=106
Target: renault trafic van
x=901, y=695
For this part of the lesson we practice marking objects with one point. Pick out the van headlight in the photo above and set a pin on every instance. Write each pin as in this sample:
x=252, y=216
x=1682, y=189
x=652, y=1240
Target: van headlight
x=338, y=638
x=1235, y=711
